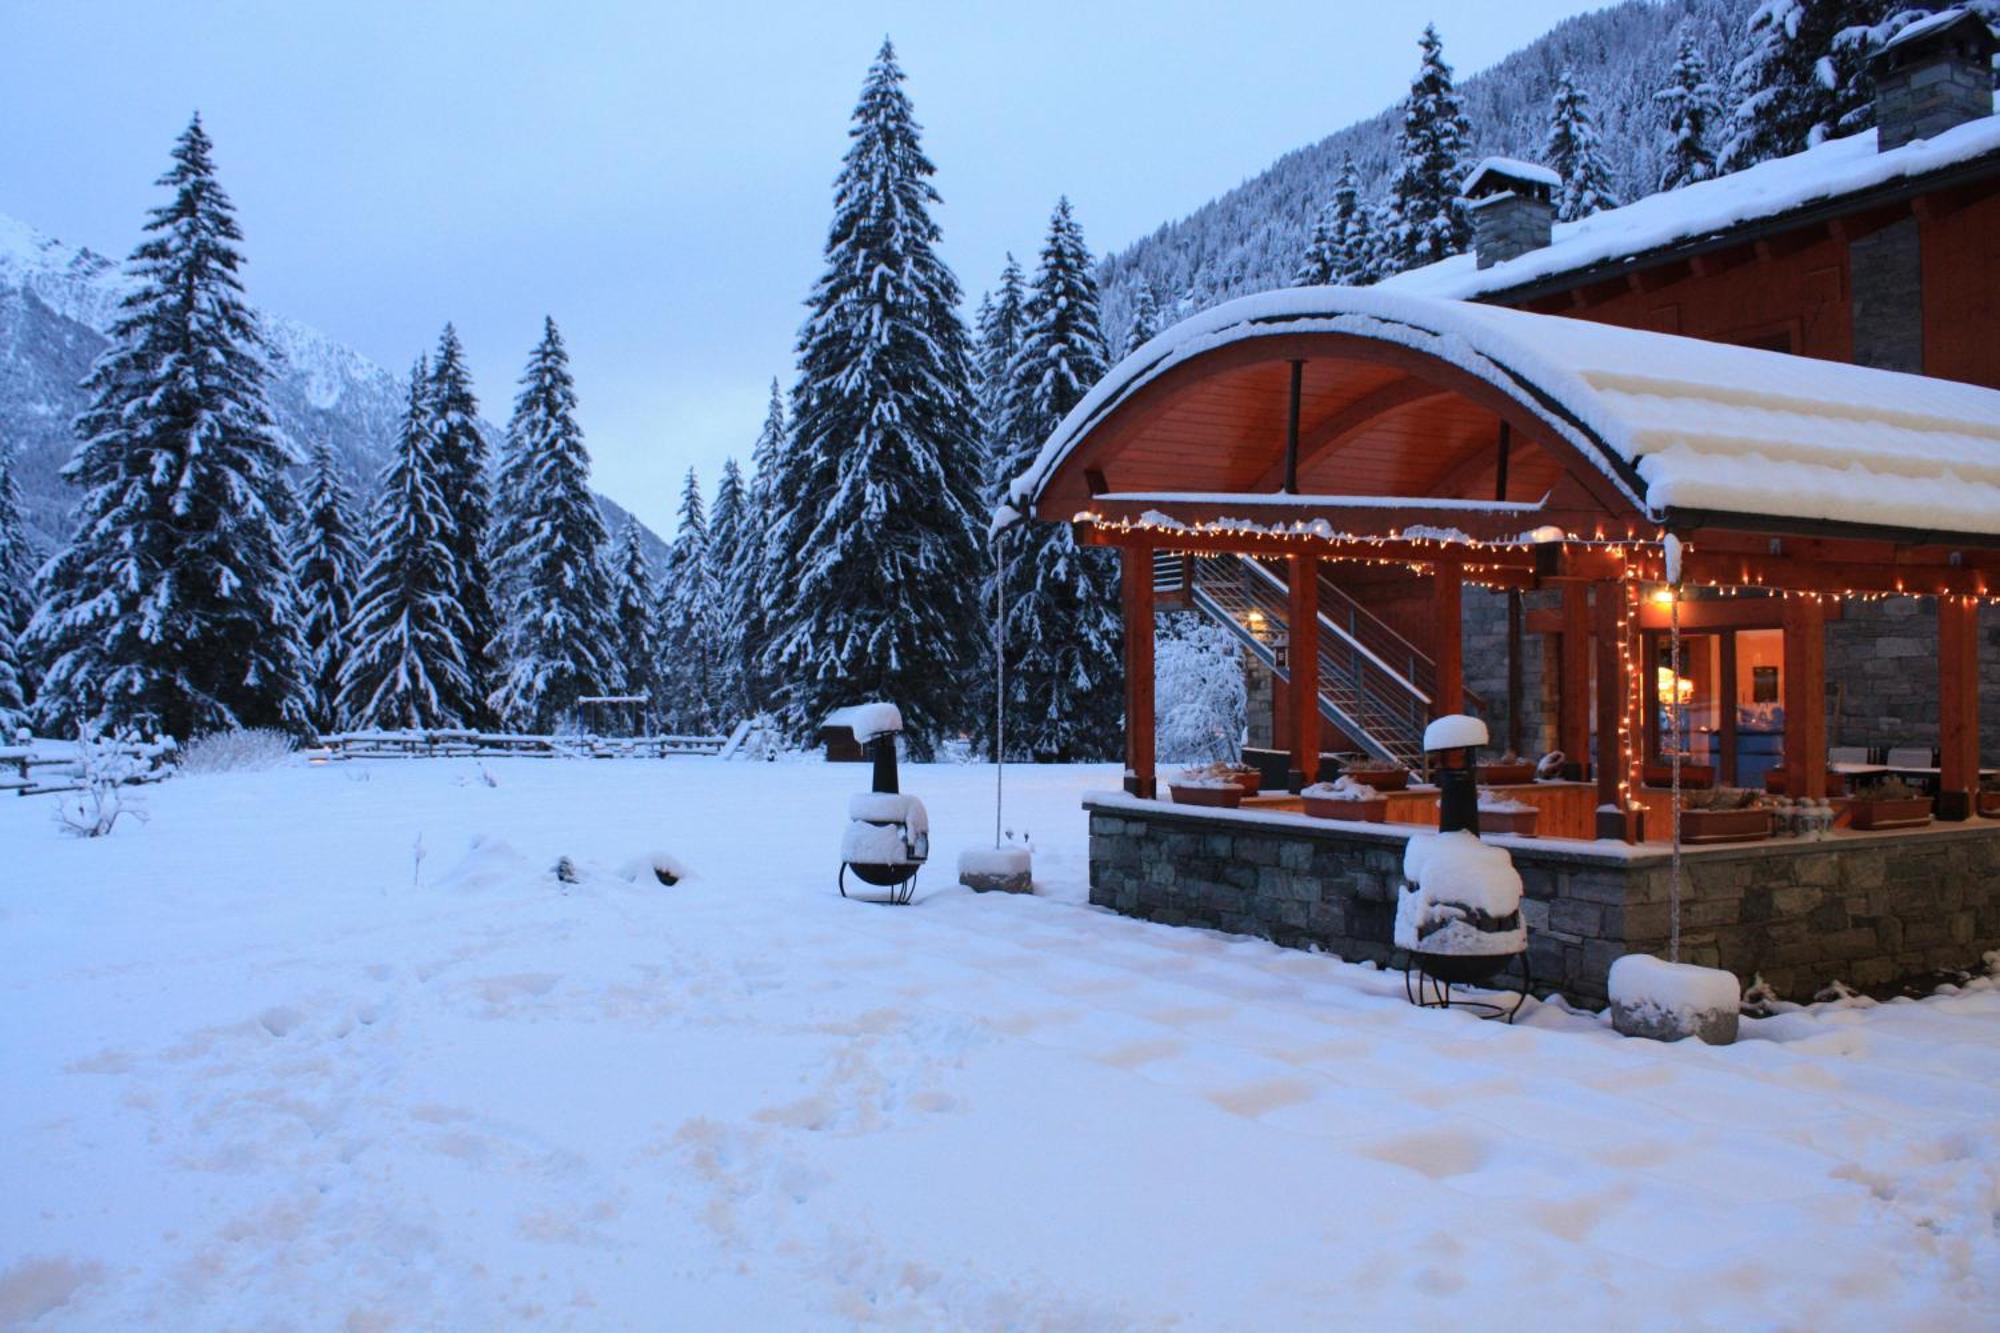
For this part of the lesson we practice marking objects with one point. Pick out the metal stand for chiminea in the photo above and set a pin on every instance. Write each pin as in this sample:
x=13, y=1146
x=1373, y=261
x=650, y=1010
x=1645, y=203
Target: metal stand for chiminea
x=1429, y=977
x=899, y=878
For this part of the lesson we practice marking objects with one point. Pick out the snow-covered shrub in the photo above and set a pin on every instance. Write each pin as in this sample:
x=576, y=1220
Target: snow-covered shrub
x=1200, y=705
x=241, y=750
x=105, y=768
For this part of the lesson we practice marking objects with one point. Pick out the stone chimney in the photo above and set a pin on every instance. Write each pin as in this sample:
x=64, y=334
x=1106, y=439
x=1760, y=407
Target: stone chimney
x=1512, y=207
x=1933, y=75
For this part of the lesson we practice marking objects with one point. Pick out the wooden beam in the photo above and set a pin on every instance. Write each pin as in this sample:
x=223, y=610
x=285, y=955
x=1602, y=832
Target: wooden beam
x=1448, y=620
x=1573, y=680
x=1303, y=663
x=1958, y=707
x=1351, y=421
x=1970, y=578
x=1717, y=613
x=1805, y=697
x=1135, y=571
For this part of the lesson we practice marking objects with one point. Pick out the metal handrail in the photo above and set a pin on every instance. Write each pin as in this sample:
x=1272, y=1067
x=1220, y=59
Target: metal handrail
x=1343, y=635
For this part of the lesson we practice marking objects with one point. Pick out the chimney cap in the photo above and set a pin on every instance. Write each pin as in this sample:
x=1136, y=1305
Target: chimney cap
x=1510, y=175
x=1931, y=36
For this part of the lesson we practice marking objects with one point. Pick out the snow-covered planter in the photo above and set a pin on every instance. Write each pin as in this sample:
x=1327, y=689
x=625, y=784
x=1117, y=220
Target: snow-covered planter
x=1195, y=789
x=1460, y=908
x=1509, y=770
x=1725, y=814
x=1668, y=1001
x=1503, y=814
x=1344, y=798
x=1245, y=776
x=1382, y=777
x=996, y=869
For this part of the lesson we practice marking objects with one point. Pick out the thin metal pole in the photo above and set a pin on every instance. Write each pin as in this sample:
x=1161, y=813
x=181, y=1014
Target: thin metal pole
x=1674, y=655
x=999, y=678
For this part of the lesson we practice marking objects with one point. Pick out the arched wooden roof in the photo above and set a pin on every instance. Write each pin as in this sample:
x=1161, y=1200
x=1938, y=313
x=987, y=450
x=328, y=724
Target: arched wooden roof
x=1406, y=397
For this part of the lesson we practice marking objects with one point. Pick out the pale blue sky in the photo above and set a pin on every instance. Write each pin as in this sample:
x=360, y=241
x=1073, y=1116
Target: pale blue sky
x=656, y=175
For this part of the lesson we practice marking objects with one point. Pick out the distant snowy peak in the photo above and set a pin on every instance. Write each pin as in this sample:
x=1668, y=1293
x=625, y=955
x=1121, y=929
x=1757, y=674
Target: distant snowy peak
x=75, y=282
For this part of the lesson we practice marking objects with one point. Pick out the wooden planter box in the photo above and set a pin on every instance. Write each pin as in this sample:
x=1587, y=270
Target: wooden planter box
x=1225, y=797
x=1364, y=812
x=1909, y=812
x=1519, y=822
x=1250, y=780
x=1988, y=803
x=1694, y=777
x=1505, y=775
x=1381, y=779
x=1698, y=826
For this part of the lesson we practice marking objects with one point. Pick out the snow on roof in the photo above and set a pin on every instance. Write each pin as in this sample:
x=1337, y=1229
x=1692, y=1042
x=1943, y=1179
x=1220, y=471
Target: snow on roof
x=1512, y=167
x=1675, y=422
x=1829, y=171
x=1925, y=26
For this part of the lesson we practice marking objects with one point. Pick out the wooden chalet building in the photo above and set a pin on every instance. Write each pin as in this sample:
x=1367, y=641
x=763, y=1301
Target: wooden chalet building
x=1760, y=415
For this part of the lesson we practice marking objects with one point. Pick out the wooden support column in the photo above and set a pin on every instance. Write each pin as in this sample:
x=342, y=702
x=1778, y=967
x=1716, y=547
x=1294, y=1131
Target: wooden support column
x=1135, y=579
x=1725, y=702
x=1573, y=681
x=1958, y=707
x=1447, y=586
x=1612, y=757
x=1805, y=697
x=1302, y=656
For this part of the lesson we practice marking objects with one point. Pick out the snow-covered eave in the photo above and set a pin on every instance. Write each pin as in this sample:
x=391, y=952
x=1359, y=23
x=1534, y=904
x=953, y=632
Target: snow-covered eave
x=1683, y=518
x=1561, y=400
x=1967, y=153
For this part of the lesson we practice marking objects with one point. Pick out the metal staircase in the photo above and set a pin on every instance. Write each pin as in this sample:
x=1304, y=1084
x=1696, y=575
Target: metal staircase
x=1373, y=684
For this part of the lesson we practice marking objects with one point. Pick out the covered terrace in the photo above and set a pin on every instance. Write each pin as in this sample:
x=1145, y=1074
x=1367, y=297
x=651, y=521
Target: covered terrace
x=1634, y=479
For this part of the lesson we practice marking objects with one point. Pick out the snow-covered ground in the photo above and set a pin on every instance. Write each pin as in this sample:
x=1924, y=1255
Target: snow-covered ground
x=268, y=1066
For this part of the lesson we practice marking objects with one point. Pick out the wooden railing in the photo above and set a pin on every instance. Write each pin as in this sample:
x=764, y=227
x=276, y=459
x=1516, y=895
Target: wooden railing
x=446, y=744
x=42, y=767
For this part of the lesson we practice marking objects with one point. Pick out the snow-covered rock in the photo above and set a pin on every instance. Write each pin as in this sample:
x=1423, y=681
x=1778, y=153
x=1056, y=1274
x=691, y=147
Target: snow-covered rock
x=1006, y=869
x=1668, y=1001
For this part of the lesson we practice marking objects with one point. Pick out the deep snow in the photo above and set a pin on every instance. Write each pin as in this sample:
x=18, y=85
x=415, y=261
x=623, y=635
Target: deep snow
x=331, y=1046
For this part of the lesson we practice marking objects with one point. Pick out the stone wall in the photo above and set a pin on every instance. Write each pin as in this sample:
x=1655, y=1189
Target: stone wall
x=1870, y=910
x=1881, y=659
x=1484, y=623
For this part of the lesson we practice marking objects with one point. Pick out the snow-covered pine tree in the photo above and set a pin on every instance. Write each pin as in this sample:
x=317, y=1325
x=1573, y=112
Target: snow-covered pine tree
x=1692, y=104
x=688, y=619
x=1429, y=221
x=1347, y=225
x=16, y=601
x=637, y=618
x=1145, y=323
x=999, y=343
x=173, y=609
x=878, y=531
x=730, y=526
x=405, y=664
x=1064, y=697
x=1804, y=78
x=561, y=644
x=1316, y=269
x=461, y=457
x=1575, y=151
x=326, y=562
x=17, y=570
x=750, y=583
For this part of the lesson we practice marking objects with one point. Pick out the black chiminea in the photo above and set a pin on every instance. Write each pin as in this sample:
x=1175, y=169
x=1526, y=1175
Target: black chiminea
x=888, y=833
x=1457, y=930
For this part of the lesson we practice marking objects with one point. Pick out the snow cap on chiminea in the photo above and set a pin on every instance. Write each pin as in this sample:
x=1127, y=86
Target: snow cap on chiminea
x=1450, y=741
x=1932, y=76
x=1512, y=204
x=875, y=726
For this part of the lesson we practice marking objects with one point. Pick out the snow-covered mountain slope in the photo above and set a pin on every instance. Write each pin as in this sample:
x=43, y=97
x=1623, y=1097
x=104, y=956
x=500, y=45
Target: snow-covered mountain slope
x=1252, y=238
x=57, y=305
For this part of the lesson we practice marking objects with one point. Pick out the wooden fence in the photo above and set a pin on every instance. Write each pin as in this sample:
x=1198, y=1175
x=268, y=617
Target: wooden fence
x=41, y=767
x=444, y=744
